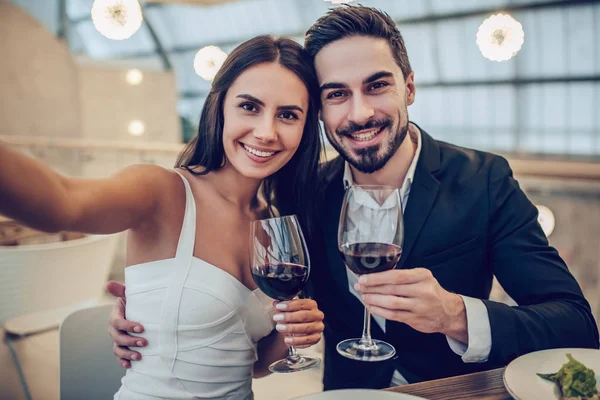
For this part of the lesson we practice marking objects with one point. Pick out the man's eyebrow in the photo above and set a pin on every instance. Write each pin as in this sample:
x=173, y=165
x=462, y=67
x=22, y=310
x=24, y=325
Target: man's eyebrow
x=369, y=79
x=333, y=85
x=377, y=75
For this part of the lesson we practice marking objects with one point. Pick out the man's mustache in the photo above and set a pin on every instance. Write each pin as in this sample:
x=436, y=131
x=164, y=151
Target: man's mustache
x=353, y=127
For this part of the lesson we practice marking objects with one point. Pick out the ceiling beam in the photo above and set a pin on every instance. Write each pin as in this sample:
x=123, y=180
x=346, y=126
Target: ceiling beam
x=160, y=49
x=538, y=5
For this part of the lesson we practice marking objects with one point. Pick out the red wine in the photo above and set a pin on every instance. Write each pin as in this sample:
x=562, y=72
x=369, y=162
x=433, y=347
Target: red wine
x=280, y=281
x=368, y=258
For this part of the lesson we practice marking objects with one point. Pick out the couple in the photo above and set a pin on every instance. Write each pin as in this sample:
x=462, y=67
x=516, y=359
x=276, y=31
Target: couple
x=206, y=330
x=466, y=221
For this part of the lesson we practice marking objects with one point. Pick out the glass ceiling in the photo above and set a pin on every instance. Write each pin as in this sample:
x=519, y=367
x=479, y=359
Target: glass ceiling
x=545, y=100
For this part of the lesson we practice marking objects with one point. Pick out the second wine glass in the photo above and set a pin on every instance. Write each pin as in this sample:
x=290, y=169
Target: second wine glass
x=280, y=268
x=370, y=237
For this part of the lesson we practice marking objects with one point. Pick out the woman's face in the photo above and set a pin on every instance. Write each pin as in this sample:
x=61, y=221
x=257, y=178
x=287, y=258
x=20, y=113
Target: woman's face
x=264, y=114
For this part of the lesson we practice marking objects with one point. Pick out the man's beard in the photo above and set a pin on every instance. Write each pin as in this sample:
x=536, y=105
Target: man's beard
x=370, y=159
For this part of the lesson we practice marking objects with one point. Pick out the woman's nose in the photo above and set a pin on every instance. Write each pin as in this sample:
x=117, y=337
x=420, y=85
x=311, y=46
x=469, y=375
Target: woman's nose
x=266, y=132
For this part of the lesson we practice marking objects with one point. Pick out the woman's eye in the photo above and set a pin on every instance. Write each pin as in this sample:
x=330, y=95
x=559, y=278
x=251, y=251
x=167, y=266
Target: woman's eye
x=249, y=107
x=288, y=115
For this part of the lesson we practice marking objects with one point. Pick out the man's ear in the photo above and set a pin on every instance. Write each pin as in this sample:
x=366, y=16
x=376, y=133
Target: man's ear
x=410, y=88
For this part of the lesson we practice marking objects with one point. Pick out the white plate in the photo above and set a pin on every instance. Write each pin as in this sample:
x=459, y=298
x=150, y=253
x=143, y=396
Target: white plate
x=359, y=394
x=520, y=377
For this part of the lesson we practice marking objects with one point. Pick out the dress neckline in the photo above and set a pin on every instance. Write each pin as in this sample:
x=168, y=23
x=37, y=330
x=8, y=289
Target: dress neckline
x=221, y=270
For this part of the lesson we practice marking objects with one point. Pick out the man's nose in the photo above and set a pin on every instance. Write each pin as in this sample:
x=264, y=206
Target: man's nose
x=361, y=111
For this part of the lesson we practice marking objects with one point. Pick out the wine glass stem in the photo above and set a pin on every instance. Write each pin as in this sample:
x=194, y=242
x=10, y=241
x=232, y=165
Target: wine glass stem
x=366, y=335
x=293, y=355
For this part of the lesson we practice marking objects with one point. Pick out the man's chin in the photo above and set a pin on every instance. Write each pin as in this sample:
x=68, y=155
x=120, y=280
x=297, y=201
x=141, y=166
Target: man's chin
x=366, y=166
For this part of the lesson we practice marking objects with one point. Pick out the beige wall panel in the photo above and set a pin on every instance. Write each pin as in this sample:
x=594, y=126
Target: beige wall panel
x=40, y=95
x=109, y=104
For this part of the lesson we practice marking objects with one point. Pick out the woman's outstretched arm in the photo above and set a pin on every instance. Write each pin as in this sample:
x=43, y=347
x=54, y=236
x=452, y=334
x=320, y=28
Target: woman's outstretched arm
x=34, y=194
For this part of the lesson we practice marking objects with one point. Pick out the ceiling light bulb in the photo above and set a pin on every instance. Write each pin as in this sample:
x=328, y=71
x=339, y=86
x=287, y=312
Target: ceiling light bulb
x=136, y=128
x=134, y=77
x=500, y=37
x=117, y=19
x=208, y=60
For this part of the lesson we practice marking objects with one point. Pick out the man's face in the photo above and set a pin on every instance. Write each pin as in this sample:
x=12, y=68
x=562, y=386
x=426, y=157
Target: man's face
x=364, y=100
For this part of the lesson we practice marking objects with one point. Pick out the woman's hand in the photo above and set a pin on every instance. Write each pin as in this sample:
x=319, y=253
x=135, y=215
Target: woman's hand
x=300, y=321
x=118, y=328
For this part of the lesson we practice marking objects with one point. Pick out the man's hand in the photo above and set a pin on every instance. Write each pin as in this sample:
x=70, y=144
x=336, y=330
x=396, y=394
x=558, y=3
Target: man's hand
x=119, y=326
x=415, y=298
x=300, y=321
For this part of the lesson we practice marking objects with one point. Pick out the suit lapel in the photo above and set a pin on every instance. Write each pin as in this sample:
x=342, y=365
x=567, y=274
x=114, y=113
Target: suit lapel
x=423, y=193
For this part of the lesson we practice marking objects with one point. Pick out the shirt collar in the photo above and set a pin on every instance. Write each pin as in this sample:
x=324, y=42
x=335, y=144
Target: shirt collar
x=415, y=135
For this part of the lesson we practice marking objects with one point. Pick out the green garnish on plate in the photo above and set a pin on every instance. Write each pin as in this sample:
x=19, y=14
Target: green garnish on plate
x=574, y=379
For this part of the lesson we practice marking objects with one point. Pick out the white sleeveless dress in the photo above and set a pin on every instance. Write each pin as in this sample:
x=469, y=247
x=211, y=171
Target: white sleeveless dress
x=201, y=323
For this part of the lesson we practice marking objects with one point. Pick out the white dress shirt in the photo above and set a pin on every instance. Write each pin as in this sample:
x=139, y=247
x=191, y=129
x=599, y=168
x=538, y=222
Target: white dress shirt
x=478, y=323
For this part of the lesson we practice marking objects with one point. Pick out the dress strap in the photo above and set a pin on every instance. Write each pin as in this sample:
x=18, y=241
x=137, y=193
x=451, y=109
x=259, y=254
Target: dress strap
x=168, y=337
x=187, y=237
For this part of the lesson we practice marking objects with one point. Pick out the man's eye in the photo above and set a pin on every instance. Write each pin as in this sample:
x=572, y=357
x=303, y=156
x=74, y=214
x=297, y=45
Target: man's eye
x=335, y=95
x=378, y=85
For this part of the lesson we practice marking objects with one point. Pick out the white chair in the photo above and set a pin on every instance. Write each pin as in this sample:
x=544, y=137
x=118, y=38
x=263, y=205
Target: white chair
x=88, y=368
x=41, y=284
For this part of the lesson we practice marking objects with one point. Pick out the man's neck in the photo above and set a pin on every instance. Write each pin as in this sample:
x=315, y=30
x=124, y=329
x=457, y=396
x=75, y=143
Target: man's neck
x=394, y=171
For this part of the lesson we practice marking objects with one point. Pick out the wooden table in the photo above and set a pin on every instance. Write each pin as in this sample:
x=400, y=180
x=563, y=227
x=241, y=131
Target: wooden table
x=487, y=385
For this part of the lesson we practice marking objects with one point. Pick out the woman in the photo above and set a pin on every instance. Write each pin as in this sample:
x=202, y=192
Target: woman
x=208, y=328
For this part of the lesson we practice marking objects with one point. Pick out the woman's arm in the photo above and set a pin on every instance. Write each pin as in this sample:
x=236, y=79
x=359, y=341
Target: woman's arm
x=34, y=194
x=299, y=324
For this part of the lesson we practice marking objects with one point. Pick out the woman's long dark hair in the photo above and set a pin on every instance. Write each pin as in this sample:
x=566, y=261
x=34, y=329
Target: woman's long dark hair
x=291, y=189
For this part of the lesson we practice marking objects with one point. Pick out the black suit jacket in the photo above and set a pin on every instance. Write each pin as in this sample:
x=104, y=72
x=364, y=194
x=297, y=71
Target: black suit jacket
x=466, y=220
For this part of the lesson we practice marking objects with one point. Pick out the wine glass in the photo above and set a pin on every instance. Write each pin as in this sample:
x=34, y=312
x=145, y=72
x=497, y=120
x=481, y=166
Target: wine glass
x=280, y=268
x=370, y=236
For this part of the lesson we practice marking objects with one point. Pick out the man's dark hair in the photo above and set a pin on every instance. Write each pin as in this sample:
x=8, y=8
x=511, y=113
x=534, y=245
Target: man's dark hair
x=348, y=21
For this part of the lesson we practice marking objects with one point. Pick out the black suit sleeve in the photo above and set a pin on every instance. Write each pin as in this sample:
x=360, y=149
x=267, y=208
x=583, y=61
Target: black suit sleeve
x=551, y=311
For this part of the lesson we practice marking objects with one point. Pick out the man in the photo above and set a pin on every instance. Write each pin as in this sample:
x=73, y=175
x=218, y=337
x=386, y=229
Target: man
x=466, y=220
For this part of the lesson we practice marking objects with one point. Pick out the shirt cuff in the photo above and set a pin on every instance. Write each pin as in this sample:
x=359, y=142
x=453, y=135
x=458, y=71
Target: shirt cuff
x=480, y=335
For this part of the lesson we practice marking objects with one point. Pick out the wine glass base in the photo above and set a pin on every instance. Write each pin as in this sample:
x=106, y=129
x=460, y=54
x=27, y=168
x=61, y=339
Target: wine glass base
x=357, y=350
x=285, y=366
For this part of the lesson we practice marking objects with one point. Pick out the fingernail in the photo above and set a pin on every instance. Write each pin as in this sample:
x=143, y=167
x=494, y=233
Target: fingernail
x=134, y=357
x=137, y=329
x=280, y=327
x=288, y=340
x=278, y=317
x=124, y=364
x=281, y=306
x=362, y=279
x=139, y=343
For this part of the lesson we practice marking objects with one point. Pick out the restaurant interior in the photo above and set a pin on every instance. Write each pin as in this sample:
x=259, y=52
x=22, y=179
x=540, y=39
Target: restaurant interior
x=88, y=97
